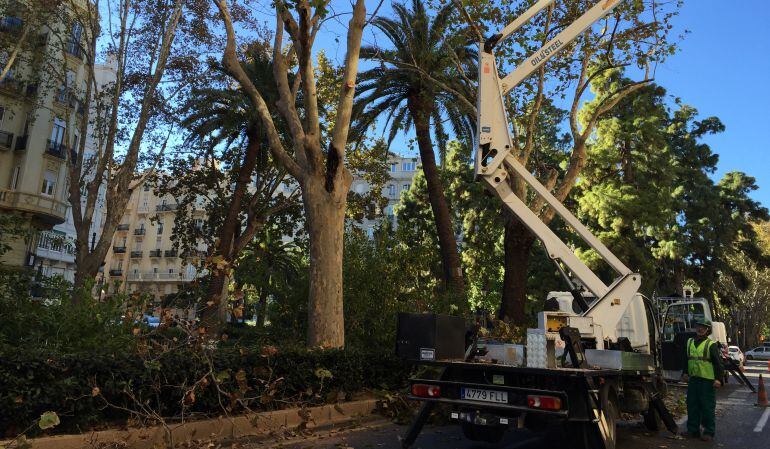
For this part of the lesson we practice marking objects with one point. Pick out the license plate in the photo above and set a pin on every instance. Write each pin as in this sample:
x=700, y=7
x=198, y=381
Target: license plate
x=476, y=394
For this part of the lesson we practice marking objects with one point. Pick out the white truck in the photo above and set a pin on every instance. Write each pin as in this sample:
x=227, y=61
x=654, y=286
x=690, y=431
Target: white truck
x=595, y=354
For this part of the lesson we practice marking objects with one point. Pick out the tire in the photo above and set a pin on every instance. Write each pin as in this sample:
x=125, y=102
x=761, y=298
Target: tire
x=487, y=434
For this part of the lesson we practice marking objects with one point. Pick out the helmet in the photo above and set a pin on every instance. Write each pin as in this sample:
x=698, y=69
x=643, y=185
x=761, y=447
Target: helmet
x=703, y=322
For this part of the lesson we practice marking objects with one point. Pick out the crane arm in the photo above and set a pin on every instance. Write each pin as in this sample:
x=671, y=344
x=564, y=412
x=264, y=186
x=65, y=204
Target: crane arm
x=495, y=161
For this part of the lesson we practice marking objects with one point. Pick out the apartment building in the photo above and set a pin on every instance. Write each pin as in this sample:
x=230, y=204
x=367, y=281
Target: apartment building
x=54, y=253
x=35, y=142
x=401, y=170
x=142, y=257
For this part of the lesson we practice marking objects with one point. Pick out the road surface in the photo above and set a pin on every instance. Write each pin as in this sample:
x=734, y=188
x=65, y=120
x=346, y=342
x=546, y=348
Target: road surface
x=739, y=425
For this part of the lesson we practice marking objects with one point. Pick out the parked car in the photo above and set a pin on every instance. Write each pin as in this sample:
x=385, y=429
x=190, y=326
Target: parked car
x=736, y=354
x=759, y=353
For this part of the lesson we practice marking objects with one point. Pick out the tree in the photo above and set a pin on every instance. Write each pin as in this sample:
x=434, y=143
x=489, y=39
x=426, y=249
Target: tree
x=267, y=265
x=237, y=180
x=321, y=173
x=626, y=191
x=634, y=35
x=18, y=40
x=117, y=116
x=422, y=81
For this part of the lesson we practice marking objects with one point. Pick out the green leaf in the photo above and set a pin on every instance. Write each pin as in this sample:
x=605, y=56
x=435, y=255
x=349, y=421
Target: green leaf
x=323, y=374
x=48, y=420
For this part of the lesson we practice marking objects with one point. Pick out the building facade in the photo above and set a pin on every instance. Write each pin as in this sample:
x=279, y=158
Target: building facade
x=401, y=170
x=54, y=253
x=39, y=119
x=142, y=257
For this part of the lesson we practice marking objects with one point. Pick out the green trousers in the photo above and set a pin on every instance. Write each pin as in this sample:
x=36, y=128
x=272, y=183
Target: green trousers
x=701, y=406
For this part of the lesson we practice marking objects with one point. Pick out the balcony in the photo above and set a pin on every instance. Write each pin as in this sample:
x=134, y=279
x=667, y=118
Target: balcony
x=139, y=231
x=119, y=249
x=166, y=207
x=47, y=209
x=155, y=277
x=9, y=84
x=21, y=143
x=155, y=253
x=170, y=253
x=116, y=273
x=6, y=139
x=10, y=24
x=74, y=49
x=136, y=254
x=194, y=254
x=56, y=149
x=123, y=227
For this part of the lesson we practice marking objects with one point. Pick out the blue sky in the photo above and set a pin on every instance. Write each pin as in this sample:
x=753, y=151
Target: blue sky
x=722, y=69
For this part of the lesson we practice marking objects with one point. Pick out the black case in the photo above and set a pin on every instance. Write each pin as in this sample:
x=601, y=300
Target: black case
x=428, y=336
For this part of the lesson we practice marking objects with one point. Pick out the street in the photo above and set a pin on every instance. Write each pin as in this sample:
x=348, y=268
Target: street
x=740, y=424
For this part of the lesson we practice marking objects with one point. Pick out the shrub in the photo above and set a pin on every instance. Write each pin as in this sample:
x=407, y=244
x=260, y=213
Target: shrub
x=90, y=389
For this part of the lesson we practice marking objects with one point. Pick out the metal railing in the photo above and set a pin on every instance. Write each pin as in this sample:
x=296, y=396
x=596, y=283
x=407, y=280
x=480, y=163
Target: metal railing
x=139, y=231
x=11, y=24
x=74, y=49
x=21, y=143
x=166, y=207
x=123, y=227
x=6, y=139
x=155, y=253
x=119, y=249
x=116, y=272
x=152, y=276
x=56, y=149
x=170, y=253
x=136, y=254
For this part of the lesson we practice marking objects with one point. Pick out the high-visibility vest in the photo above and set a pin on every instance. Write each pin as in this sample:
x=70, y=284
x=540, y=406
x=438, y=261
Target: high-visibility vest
x=699, y=359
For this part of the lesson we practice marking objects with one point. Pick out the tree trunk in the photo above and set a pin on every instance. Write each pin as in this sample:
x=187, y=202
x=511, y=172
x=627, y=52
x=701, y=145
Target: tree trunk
x=325, y=215
x=262, y=308
x=214, y=313
x=518, y=249
x=450, y=259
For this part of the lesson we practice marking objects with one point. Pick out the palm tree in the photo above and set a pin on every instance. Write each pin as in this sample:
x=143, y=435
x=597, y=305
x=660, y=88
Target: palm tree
x=269, y=264
x=223, y=118
x=422, y=81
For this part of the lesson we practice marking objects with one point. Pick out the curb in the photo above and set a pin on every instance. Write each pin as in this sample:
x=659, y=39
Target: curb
x=252, y=425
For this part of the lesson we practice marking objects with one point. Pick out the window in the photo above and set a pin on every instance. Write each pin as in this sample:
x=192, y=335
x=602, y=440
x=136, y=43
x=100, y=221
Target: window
x=157, y=241
x=49, y=183
x=170, y=271
x=146, y=188
x=160, y=227
x=408, y=166
x=391, y=190
x=15, y=177
x=57, y=133
x=393, y=167
x=154, y=269
x=405, y=187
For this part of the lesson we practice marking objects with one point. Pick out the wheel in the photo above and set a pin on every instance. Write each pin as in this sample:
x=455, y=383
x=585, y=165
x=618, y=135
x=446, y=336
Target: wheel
x=488, y=434
x=749, y=357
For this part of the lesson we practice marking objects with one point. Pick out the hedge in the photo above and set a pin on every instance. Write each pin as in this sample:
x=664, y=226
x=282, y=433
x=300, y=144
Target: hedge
x=90, y=391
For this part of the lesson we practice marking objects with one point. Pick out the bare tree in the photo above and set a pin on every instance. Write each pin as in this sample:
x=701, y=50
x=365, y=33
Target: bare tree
x=320, y=172
x=139, y=38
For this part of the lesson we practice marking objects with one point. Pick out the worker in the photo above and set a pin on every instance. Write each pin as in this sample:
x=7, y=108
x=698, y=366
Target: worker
x=703, y=373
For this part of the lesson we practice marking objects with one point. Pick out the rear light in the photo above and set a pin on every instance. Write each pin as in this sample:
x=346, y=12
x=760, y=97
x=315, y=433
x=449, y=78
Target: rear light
x=544, y=402
x=426, y=391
